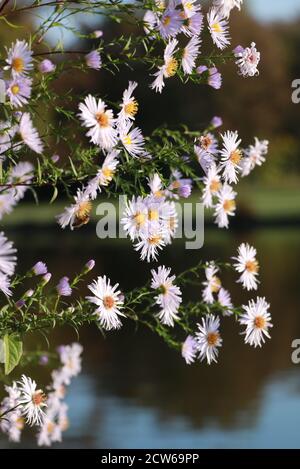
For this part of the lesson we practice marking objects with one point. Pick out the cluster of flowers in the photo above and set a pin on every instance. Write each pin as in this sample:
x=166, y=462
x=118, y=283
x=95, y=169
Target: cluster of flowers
x=18, y=90
x=222, y=168
x=107, y=132
x=255, y=317
x=110, y=302
x=152, y=221
x=27, y=404
x=174, y=17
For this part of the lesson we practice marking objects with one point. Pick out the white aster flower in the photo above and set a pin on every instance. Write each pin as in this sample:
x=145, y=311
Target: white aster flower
x=168, y=69
x=19, y=59
x=247, y=265
x=205, y=159
x=208, y=338
x=31, y=401
x=21, y=173
x=129, y=106
x=104, y=174
x=212, y=185
x=224, y=299
x=100, y=122
x=255, y=155
x=70, y=357
x=231, y=157
x=248, y=60
x=169, y=297
x=29, y=134
x=170, y=23
x=225, y=6
x=156, y=186
x=150, y=21
x=190, y=54
x=212, y=284
x=7, y=257
x=257, y=320
x=190, y=8
x=7, y=202
x=218, y=27
x=225, y=206
x=209, y=143
x=7, y=133
x=189, y=350
x=78, y=213
x=132, y=139
x=5, y=284
x=149, y=243
x=50, y=432
x=108, y=300
x=194, y=25
x=135, y=217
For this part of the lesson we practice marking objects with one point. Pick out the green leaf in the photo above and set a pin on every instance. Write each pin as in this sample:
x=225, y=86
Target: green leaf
x=13, y=349
x=55, y=193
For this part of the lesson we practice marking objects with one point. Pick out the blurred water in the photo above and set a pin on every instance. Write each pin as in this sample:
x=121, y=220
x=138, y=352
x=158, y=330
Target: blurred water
x=135, y=392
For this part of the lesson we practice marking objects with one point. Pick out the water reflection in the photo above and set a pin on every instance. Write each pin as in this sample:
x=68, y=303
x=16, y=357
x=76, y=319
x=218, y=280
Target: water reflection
x=135, y=392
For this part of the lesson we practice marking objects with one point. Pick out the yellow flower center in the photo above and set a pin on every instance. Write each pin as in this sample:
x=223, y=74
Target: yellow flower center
x=215, y=186
x=216, y=27
x=176, y=185
x=102, y=119
x=216, y=284
x=139, y=218
x=259, y=322
x=153, y=215
x=252, y=266
x=166, y=20
x=38, y=398
x=107, y=172
x=235, y=156
x=171, y=68
x=131, y=108
x=127, y=140
x=50, y=427
x=18, y=64
x=15, y=89
x=188, y=6
x=108, y=302
x=158, y=194
x=20, y=423
x=212, y=338
x=84, y=210
x=154, y=239
x=229, y=205
x=205, y=141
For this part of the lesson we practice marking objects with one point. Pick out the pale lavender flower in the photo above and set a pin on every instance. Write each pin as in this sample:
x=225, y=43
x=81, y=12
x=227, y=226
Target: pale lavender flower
x=20, y=303
x=19, y=91
x=44, y=360
x=201, y=69
x=215, y=78
x=46, y=278
x=63, y=287
x=40, y=268
x=93, y=60
x=55, y=158
x=46, y=66
x=189, y=350
x=90, y=265
x=217, y=122
x=29, y=134
x=97, y=34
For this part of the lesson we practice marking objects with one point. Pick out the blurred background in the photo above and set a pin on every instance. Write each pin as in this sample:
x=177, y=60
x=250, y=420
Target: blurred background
x=134, y=391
